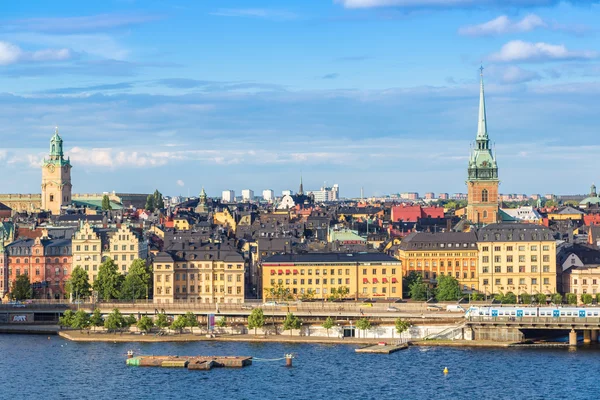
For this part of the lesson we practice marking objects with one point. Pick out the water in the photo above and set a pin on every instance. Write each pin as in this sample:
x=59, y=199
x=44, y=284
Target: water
x=33, y=367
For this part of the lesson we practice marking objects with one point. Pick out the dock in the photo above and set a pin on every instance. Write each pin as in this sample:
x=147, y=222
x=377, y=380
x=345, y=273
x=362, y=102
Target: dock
x=197, y=363
x=383, y=348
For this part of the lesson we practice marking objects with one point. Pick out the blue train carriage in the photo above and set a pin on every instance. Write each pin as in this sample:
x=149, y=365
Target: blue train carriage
x=529, y=312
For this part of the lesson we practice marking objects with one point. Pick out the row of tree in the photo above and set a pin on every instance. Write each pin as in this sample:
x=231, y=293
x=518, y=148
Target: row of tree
x=281, y=293
x=447, y=288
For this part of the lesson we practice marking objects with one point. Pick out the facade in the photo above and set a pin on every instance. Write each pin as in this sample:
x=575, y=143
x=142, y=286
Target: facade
x=228, y=196
x=482, y=181
x=582, y=280
x=443, y=196
x=247, y=195
x=409, y=196
x=446, y=253
x=518, y=258
x=210, y=273
x=365, y=275
x=326, y=194
x=87, y=250
x=125, y=245
x=429, y=196
x=268, y=195
x=56, y=178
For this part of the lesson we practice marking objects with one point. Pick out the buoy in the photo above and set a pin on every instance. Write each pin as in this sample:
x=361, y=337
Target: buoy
x=288, y=360
x=446, y=370
x=48, y=337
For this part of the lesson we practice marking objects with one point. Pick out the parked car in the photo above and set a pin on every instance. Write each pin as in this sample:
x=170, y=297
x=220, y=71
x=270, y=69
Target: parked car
x=247, y=307
x=392, y=309
x=433, y=307
x=454, y=308
x=366, y=305
x=270, y=304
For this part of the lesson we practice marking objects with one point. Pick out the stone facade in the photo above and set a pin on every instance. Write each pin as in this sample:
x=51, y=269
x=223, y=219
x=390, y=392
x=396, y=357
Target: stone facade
x=56, y=178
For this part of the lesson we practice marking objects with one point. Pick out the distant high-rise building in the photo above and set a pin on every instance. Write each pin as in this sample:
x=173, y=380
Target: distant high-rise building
x=268, y=195
x=409, y=196
x=287, y=192
x=327, y=194
x=443, y=196
x=429, y=196
x=228, y=196
x=247, y=195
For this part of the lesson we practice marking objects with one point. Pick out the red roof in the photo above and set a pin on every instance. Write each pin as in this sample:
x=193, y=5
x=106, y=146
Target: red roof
x=413, y=212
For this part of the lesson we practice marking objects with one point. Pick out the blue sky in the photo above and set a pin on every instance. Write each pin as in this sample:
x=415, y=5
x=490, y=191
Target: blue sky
x=382, y=94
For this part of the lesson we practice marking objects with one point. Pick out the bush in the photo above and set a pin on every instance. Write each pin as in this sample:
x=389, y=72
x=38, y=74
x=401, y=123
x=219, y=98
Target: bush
x=525, y=298
x=586, y=298
x=571, y=298
x=557, y=298
x=510, y=298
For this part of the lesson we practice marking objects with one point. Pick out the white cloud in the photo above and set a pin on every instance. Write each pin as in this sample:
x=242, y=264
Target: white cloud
x=107, y=157
x=502, y=25
x=511, y=74
x=180, y=183
x=254, y=13
x=517, y=50
x=11, y=54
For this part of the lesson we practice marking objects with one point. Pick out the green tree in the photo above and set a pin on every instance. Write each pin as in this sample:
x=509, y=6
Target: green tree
x=179, y=324
x=22, y=289
x=129, y=321
x=106, y=203
x=150, y=203
x=159, y=202
x=557, y=298
x=401, y=325
x=291, y=322
x=256, y=319
x=509, y=298
x=541, y=298
x=67, y=319
x=328, y=324
x=109, y=281
x=161, y=321
x=136, y=284
x=191, y=320
x=448, y=288
x=96, y=318
x=308, y=295
x=363, y=324
x=278, y=292
x=571, y=298
x=586, y=298
x=598, y=298
x=145, y=324
x=408, y=280
x=78, y=286
x=222, y=322
x=525, y=298
x=476, y=296
x=417, y=289
x=81, y=320
x=114, y=321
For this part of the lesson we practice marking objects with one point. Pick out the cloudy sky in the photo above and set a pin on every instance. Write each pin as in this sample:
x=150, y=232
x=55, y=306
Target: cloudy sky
x=382, y=94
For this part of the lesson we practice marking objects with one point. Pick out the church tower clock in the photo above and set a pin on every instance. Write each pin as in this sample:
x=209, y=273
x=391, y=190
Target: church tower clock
x=56, y=178
x=482, y=182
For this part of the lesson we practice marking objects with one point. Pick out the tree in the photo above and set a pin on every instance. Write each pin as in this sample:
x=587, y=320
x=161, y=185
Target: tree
x=417, y=289
x=541, y=298
x=448, y=288
x=179, y=324
x=191, y=320
x=525, y=298
x=308, y=295
x=222, y=322
x=158, y=200
x=129, y=321
x=278, y=292
x=81, y=320
x=161, y=321
x=106, y=203
x=408, y=280
x=96, y=318
x=291, y=322
x=137, y=281
x=22, y=289
x=256, y=319
x=145, y=324
x=114, y=320
x=477, y=296
x=363, y=324
x=509, y=298
x=557, y=298
x=67, y=319
x=598, y=298
x=571, y=298
x=586, y=298
x=328, y=324
x=78, y=285
x=109, y=280
x=150, y=203
x=401, y=325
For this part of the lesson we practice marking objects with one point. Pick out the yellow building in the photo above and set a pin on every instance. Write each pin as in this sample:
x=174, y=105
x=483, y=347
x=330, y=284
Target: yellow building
x=444, y=253
x=199, y=273
x=365, y=275
x=182, y=223
x=87, y=250
x=565, y=214
x=225, y=218
x=517, y=258
x=125, y=245
x=56, y=178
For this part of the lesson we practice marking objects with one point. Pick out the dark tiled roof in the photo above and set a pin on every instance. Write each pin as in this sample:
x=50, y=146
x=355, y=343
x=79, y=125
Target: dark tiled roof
x=437, y=241
x=510, y=232
x=330, y=258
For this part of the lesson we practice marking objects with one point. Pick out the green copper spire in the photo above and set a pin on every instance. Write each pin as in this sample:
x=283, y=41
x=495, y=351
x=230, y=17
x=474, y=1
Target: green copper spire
x=482, y=124
x=56, y=146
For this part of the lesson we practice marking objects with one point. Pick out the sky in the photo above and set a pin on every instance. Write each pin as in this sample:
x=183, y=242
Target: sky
x=380, y=94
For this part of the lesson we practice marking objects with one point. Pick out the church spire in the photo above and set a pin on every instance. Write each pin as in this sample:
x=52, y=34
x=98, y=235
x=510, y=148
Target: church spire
x=482, y=133
x=301, y=191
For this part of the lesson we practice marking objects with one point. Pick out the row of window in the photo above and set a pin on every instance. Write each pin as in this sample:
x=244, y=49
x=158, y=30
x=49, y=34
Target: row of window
x=585, y=281
x=124, y=247
x=509, y=258
x=457, y=275
x=323, y=281
x=533, y=247
x=192, y=265
x=442, y=254
x=37, y=260
x=511, y=281
x=442, y=263
x=192, y=289
x=184, y=276
x=57, y=271
x=510, y=269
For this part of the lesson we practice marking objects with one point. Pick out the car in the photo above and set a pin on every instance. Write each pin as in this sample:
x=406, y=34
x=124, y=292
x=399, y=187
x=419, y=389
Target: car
x=392, y=309
x=247, y=307
x=270, y=304
x=18, y=304
x=433, y=307
x=455, y=308
x=366, y=305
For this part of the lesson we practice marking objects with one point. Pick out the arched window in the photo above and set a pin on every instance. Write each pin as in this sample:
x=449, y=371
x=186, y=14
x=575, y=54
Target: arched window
x=484, y=196
x=53, y=148
x=484, y=214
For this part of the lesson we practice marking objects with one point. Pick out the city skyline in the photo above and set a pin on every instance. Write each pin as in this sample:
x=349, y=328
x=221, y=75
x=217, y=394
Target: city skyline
x=363, y=108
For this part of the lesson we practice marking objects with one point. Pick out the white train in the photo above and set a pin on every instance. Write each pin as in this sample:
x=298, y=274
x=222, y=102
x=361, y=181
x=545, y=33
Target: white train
x=530, y=312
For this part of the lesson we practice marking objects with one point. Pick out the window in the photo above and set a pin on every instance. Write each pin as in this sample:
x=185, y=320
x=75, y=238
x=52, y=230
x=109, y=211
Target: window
x=546, y=268
x=545, y=248
x=486, y=282
x=509, y=269
x=486, y=259
x=521, y=268
x=510, y=281
x=485, y=248
x=521, y=248
x=497, y=259
x=533, y=247
x=534, y=268
x=534, y=281
x=509, y=259
x=521, y=281
x=484, y=196
x=546, y=258
x=497, y=269
x=486, y=269
x=509, y=248
x=546, y=281
x=497, y=248
x=498, y=281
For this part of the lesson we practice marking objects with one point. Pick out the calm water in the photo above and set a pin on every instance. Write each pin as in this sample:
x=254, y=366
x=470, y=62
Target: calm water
x=33, y=367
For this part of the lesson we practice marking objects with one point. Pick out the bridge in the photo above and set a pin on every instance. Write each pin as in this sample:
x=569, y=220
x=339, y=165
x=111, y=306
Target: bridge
x=510, y=328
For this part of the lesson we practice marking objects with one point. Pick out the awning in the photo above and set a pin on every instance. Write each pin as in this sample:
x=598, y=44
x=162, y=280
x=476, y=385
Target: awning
x=375, y=280
x=280, y=272
x=273, y=272
x=384, y=280
x=287, y=272
x=365, y=280
x=394, y=280
x=295, y=272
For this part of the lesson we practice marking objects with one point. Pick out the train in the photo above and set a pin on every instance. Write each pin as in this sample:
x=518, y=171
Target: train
x=532, y=312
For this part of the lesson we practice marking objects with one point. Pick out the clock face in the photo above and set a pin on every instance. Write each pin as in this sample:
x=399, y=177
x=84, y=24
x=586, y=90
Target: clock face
x=51, y=168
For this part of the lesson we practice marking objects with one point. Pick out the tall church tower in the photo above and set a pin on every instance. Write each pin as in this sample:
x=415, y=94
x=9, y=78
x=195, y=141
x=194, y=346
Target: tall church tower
x=56, y=178
x=482, y=183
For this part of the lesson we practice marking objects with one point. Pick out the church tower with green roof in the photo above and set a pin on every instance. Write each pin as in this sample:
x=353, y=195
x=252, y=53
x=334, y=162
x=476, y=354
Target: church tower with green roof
x=56, y=178
x=482, y=181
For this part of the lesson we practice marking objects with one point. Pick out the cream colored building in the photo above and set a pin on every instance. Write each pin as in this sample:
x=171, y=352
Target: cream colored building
x=124, y=246
x=582, y=280
x=87, y=250
x=207, y=273
x=518, y=258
